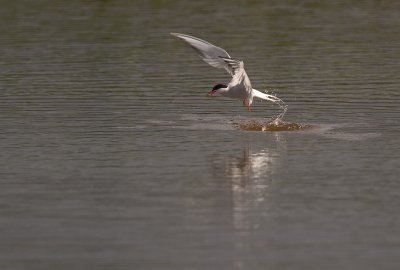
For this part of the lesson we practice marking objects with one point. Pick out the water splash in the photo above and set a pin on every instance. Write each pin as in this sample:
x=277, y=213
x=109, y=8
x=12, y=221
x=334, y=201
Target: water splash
x=274, y=99
x=276, y=125
x=275, y=122
x=284, y=108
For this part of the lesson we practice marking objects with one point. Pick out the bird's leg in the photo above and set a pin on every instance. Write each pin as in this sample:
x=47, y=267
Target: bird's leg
x=244, y=102
x=248, y=107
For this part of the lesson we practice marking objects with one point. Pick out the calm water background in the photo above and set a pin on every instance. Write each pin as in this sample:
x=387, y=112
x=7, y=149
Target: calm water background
x=113, y=158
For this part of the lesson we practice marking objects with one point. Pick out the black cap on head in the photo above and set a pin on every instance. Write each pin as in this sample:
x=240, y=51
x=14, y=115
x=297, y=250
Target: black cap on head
x=218, y=86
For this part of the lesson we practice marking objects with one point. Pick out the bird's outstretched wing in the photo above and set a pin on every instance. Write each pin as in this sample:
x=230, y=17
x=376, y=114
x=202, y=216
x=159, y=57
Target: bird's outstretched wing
x=211, y=54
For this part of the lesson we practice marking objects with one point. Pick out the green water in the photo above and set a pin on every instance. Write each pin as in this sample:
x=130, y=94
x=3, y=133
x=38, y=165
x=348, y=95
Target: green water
x=112, y=156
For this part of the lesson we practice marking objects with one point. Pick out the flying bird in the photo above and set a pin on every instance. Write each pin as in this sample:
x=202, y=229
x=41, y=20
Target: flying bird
x=240, y=86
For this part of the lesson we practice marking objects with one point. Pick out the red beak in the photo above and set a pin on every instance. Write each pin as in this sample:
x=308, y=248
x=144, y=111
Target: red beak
x=211, y=93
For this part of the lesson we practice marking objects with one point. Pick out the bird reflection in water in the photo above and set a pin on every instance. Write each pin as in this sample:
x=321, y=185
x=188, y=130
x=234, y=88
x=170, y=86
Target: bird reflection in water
x=250, y=177
x=250, y=180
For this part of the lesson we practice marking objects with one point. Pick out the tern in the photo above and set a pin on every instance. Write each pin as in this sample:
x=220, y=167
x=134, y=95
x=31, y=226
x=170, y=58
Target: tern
x=240, y=86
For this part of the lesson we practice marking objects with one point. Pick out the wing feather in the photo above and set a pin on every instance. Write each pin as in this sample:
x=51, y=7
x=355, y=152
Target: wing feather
x=239, y=78
x=211, y=54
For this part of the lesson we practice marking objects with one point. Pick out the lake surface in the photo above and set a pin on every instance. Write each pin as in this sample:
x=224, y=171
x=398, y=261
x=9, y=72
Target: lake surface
x=112, y=156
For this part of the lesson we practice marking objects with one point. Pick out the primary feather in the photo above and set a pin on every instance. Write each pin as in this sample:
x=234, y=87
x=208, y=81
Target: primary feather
x=211, y=54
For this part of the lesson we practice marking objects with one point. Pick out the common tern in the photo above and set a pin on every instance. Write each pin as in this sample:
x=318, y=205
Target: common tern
x=240, y=86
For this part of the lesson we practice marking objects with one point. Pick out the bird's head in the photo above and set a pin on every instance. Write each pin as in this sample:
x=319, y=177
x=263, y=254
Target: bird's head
x=217, y=89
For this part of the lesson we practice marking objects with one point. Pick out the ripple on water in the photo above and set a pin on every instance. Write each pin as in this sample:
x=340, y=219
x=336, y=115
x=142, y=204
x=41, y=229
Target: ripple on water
x=340, y=131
